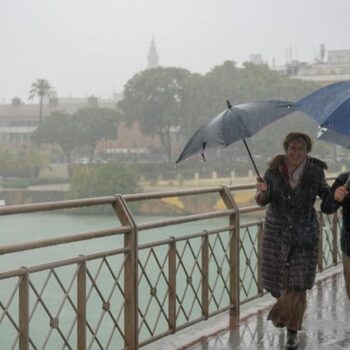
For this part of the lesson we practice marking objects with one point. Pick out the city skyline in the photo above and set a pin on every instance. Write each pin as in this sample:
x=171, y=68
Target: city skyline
x=84, y=47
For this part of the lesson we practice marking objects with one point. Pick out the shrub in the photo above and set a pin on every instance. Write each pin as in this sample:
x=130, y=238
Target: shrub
x=102, y=180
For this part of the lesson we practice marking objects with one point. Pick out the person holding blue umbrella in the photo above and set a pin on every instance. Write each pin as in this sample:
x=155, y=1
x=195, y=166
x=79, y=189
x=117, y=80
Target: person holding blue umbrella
x=330, y=107
x=289, y=189
x=341, y=198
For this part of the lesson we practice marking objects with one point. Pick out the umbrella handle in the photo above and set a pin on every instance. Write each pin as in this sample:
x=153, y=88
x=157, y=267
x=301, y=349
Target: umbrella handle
x=251, y=158
x=347, y=183
x=203, y=148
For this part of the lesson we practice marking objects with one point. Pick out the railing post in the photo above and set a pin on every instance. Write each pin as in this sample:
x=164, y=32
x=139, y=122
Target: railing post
x=259, y=277
x=335, y=220
x=24, y=311
x=81, y=305
x=172, y=285
x=205, y=275
x=234, y=252
x=320, y=242
x=131, y=328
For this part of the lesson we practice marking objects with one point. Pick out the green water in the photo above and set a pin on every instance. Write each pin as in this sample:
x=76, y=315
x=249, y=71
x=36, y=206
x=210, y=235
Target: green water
x=32, y=227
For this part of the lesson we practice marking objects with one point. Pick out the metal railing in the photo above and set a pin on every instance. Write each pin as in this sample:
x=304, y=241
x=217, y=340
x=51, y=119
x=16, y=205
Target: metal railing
x=134, y=294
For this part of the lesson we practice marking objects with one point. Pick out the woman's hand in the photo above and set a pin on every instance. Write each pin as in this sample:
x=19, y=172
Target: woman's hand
x=261, y=185
x=261, y=188
x=340, y=193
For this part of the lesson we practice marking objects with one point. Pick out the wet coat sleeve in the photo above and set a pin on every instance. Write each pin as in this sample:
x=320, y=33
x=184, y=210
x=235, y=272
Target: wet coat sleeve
x=324, y=191
x=329, y=205
x=263, y=198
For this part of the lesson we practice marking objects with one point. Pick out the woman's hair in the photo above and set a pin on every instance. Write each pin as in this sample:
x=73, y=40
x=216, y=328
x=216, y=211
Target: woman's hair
x=300, y=136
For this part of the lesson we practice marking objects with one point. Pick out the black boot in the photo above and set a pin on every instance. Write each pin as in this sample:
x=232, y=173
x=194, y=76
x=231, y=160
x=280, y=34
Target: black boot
x=292, y=340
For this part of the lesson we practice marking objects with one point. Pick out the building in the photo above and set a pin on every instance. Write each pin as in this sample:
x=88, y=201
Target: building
x=339, y=57
x=335, y=68
x=18, y=120
x=152, y=58
x=256, y=59
x=130, y=143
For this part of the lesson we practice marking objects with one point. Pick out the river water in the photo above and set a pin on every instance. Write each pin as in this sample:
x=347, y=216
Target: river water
x=31, y=227
x=39, y=226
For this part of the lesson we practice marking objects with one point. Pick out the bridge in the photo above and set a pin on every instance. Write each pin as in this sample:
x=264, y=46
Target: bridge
x=325, y=326
x=150, y=284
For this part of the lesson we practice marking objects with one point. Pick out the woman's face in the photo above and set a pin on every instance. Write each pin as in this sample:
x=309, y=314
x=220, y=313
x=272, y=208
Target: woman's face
x=296, y=152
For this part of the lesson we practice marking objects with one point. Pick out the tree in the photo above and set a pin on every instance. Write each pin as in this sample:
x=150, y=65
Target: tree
x=8, y=162
x=260, y=82
x=41, y=88
x=103, y=180
x=220, y=84
x=58, y=128
x=16, y=101
x=95, y=124
x=155, y=98
x=196, y=108
x=21, y=164
x=251, y=83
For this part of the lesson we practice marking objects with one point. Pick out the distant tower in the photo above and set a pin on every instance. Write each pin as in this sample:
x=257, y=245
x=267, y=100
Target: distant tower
x=152, y=55
x=322, y=52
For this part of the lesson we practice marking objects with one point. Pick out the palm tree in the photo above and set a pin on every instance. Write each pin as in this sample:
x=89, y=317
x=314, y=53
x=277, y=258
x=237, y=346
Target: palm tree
x=41, y=88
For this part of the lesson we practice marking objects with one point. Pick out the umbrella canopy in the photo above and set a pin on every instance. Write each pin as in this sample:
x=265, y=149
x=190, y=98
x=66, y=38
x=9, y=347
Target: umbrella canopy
x=329, y=106
x=235, y=123
x=332, y=136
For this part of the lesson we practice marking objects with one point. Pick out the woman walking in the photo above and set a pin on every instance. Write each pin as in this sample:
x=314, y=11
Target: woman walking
x=289, y=257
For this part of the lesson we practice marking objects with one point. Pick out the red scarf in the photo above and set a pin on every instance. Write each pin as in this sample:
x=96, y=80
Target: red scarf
x=284, y=171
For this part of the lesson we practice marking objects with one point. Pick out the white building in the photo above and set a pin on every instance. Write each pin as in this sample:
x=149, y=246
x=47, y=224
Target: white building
x=335, y=68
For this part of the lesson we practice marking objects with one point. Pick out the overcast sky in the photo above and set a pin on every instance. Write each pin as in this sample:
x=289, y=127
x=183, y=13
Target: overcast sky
x=86, y=47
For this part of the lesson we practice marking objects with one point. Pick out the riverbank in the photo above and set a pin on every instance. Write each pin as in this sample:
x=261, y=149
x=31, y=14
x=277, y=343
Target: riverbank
x=165, y=205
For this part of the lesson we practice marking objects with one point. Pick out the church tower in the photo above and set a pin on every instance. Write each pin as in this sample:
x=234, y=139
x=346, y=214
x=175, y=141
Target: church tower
x=152, y=56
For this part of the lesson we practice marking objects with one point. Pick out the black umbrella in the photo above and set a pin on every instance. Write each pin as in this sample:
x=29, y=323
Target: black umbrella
x=236, y=123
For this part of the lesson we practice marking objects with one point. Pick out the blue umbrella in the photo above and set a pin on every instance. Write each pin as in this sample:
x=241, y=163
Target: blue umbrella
x=235, y=123
x=332, y=136
x=335, y=137
x=329, y=106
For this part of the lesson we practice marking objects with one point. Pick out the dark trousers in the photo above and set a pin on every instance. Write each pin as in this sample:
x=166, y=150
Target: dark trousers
x=346, y=270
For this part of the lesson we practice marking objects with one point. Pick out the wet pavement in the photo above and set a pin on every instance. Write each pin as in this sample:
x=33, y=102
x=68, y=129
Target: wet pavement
x=326, y=324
